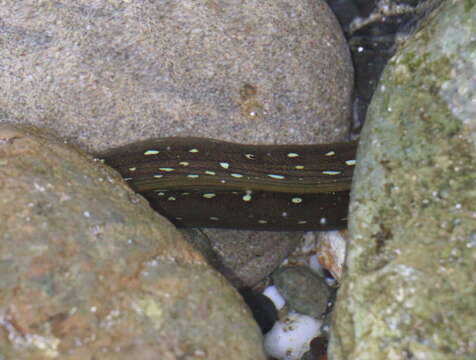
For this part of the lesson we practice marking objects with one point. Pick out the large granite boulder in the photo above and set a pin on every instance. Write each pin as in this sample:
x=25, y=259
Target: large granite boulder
x=89, y=271
x=409, y=291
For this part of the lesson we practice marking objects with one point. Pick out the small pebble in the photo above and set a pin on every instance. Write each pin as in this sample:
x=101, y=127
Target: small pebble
x=290, y=338
x=303, y=291
x=273, y=294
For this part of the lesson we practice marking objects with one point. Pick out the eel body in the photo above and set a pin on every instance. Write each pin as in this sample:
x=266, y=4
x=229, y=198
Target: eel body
x=211, y=183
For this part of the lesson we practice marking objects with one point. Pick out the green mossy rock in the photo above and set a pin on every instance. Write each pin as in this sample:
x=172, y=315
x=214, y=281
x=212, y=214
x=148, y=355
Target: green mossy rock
x=409, y=291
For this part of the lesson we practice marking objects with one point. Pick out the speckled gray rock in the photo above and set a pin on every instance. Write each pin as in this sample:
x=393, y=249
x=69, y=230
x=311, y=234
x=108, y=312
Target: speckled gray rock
x=305, y=292
x=246, y=257
x=106, y=73
x=89, y=271
x=409, y=292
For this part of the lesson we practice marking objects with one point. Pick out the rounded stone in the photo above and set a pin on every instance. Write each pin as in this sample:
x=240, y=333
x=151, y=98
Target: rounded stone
x=108, y=73
x=305, y=292
x=88, y=270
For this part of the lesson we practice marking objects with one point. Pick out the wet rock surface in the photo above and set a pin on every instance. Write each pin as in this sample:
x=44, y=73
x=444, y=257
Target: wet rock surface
x=408, y=291
x=305, y=292
x=247, y=257
x=249, y=71
x=89, y=271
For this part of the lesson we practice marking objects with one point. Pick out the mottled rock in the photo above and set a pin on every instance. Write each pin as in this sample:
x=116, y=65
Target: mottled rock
x=107, y=73
x=89, y=271
x=305, y=292
x=409, y=287
x=243, y=257
x=246, y=257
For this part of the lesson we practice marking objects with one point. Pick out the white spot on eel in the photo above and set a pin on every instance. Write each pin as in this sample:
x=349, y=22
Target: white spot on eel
x=330, y=172
x=209, y=195
x=151, y=152
x=350, y=162
x=224, y=165
x=330, y=153
x=250, y=156
x=292, y=155
x=296, y=200
x=277, y=177
x=209, y=172
x=247, y=197
x=166, y=169
x=193, y=150
x=184, y=163
x=193, y=176
x=236, y=175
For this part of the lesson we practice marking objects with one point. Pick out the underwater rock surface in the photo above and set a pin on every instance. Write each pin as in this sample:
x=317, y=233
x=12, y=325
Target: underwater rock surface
x=408, y=291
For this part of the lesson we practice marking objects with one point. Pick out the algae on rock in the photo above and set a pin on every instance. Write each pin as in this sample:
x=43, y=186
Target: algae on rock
x=409, y=290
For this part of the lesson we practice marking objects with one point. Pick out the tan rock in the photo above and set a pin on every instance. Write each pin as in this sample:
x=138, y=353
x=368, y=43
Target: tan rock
x=88, y=270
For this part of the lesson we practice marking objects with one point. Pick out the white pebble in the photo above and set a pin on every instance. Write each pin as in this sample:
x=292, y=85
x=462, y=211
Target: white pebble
x=273, y=294
x=290, y=338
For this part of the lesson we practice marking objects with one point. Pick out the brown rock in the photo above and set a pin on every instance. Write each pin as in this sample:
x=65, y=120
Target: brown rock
x=89, y=271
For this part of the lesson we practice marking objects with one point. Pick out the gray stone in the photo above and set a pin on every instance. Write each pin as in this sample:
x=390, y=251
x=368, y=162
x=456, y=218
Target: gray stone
x=243, y=257
x=106, y=73
x=246, y=257
x=305, y=292
x=89, y=271
x=409, y=290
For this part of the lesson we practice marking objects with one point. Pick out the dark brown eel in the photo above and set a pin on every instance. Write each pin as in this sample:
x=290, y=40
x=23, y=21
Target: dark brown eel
x=210, y=183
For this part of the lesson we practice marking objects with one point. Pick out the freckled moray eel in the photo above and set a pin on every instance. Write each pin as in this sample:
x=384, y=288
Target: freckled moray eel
x=211, y=183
